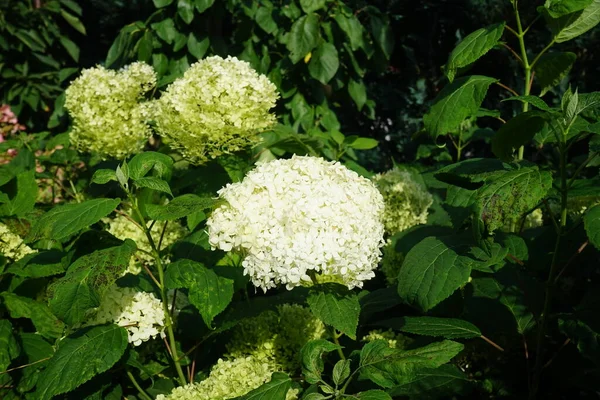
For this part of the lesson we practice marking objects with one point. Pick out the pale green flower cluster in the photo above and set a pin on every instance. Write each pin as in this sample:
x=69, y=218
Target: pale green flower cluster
x=109, y=116
x=394, y=340
x=122, y=228
x=260, y=346
x=219, y=106
x=406, y=200
x=11, y=244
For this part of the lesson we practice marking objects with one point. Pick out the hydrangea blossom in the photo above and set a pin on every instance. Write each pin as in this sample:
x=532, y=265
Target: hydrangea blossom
x=406, y=200
x=260, y=346
x=140, y=313
x=108, y=115
x=301, y=216
x=11, y=244
x=218, y=106
x=122, y=228
x=393, y=339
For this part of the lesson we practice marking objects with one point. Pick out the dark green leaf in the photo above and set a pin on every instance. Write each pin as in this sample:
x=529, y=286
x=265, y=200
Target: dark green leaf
x=143, y=163
x=73, y=21
x=473, y=47
x=575, y=24
x=197, y=48
x=264, y=19
x=558, y=8
x=185, y=9
x=457, y=101
x=161, y=3
x=444, y=380
x=23, y=200
x=533, y=100
x=341, y=371
x=39, y=265
x=592, y=225
x=43, y=320
x=358, y=92
x=352, y=28
x=165, y=30
x=324, y=63
x=151, y=182
x=203, y=5
x=312, y=362
x=517, y=132
x=208, y=292
x=449, y=328
x=382, y=33
x=275, y=389
x=586, y=339
x=336, y=306
x=363, y=143
x=71, y=47
x=551, y=68
x=432, y=271
x=179, y=207
x=66, y=220
x=9, y=347
x=80, y=357
x=373, y=395
x=303, y=37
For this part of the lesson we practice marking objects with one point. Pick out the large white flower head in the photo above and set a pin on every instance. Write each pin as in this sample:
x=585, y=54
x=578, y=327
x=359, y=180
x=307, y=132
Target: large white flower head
x=141, y=313
x=219, y=106
x=109, y=117
x=11, y=244
x=301, y=216
x=406, y=200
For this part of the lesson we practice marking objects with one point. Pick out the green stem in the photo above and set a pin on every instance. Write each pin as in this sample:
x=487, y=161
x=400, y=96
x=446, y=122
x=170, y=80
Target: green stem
x=163, y=291
x=143, y=394
x=526, y=66
x=545, y=49
x=551, y=282
x=337, y=341
x=581, y=167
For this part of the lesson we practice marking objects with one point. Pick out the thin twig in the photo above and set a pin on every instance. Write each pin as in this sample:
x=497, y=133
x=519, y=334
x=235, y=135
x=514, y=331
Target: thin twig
x=492, y=343
x=556, y=354
x=515, y=259
x=514, y=53
x=143, y=394
x=502, y=85
x=24, y=366
x=573, y=257
x=127, y=216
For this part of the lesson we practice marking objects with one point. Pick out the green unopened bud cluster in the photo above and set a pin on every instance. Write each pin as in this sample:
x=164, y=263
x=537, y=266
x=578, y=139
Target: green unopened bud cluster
x=259, y=346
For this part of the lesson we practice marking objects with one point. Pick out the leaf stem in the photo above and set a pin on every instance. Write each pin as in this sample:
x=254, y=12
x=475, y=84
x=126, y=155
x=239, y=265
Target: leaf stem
x=580, y=168
x=143, y=394
x=526, y=67
x=514, y=53
x=336, y=340
x=536, y=59
x=491, y=342
x=503, y=86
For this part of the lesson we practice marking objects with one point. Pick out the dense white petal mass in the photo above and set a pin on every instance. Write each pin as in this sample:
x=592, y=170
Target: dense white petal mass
x=296, y=217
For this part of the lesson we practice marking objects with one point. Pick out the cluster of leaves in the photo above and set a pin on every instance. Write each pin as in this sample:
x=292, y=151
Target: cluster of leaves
x=38, y=54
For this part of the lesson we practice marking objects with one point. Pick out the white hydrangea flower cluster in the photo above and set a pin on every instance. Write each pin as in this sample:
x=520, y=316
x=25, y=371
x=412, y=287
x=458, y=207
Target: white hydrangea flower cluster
x=219, y=106
x=122, y=228
x=260, y=346
x=301, y=216
x=394, y=340
x=109, y=116
x=140, y=313
x=406, y=200
x=11, y=244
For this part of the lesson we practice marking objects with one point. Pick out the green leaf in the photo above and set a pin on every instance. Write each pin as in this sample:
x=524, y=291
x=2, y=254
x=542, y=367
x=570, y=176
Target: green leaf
x=336, y=306
x=9, y=347
x=449, y=328
x=165, y=30
x=71, y=47
x=185, y=9
x=551, y=69
x=102, y=176
x=44, y=321
x=431, y=272
x=197, y=48
x=23, y=200
x=341, y=371
x=364, y=143
x=179, y=207
x=275, y=389
x=575, y=24
x=445, y=379
x=39, y=265
x=470, y=174
x=154, y=184
x=203, y=5
x=558, y=8
x=373, y=395
x=144, y=47
x=324, y=63
x=382, y=33
x=80, y=357
x=303, y=37
x=388, y=367
x=161, y=3
x=457, y=101
x=208, y=292
x=501, y=198
x=36, y=351
x=264, y=19
x=586, y=339
x=81, y=289
x=472, y=48
x=352, y=28
x=587, y=101
x=533, y=100
x=73, y=21
x=309, y=6
x=312, y=361
x=517, y=132
x=358, y=92
x=144, y=162
x=591, y=222
x=63, y=221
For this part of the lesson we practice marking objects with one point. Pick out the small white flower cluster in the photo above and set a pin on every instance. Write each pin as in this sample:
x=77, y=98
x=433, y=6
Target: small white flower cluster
x=140, y=313
x=406, y=200
x=219, y=106
x=260, y=346
x=108, y=115
x=11, y=244
x=298, y=216
x=122, y=228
